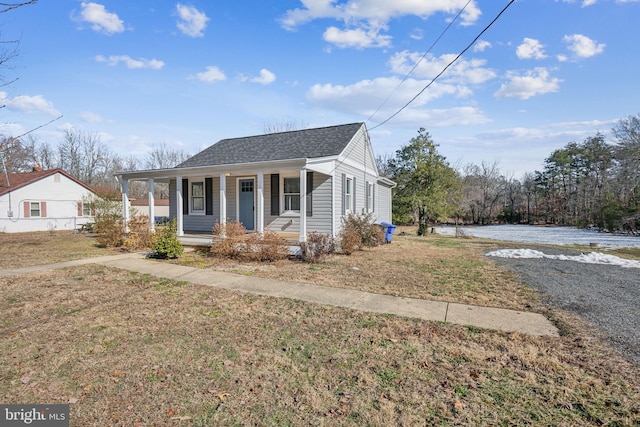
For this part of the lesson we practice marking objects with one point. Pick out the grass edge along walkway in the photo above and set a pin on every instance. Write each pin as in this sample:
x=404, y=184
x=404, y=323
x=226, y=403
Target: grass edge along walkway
x=462, y=314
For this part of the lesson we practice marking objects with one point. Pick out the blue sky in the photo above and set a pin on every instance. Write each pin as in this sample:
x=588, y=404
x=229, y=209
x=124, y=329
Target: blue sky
x=190, y=73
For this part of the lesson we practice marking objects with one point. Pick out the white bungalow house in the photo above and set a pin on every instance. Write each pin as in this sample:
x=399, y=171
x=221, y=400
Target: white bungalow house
x=43, y=200
x=293, y=182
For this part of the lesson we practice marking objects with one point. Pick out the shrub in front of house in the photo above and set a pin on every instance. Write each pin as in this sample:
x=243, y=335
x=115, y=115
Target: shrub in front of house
x=139, y=236
x=359, y=231
x=227, y=239
x=166, y=243
x=317, y=247
x=266, y=247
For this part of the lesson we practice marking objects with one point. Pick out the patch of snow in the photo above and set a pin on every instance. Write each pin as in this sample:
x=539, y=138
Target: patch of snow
x=588, y=258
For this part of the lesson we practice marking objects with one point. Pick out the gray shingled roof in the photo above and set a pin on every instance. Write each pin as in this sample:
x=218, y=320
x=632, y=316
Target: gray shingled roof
x=299, y=144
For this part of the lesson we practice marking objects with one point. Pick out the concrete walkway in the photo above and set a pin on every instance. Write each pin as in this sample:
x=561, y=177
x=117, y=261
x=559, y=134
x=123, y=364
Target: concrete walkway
x=461, y=314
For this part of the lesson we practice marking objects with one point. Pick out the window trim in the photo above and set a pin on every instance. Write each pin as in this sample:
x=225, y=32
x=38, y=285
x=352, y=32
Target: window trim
x=192, y=210
x=348, y=197
x=370, y=197
x=31, y=215
x=290, y=212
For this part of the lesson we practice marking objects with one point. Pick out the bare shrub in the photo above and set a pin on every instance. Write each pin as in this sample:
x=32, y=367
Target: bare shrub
x=317, y=247
x=139, y=236
x=268, y=247
x=109, y=231
x=350, y=241
x=359, y=231
x=228, y=239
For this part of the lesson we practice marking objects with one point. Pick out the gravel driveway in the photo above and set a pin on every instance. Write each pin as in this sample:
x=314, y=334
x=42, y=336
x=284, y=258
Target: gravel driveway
x=605, y=295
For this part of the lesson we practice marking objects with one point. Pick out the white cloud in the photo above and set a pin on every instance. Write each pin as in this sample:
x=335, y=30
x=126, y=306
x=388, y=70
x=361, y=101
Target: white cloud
x=359, y=38
x=91, y=117
x=191, y=21
x=461, y=72
x=582, y=46
x=481, y=46
x=365, y=96
x=365, y=19
x=29, y=104
x=533, y=82
x=114, y=60
x=530, y=49
x=211, y=75
x=417, y=34
x=380, y=11
x=266, y=77
x=100, y=19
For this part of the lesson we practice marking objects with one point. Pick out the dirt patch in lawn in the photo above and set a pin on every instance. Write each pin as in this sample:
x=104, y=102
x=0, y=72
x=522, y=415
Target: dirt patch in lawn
x=37, y=248
x=131, y=349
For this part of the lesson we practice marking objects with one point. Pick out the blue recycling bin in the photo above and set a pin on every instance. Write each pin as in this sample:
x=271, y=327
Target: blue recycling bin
x=389, y=229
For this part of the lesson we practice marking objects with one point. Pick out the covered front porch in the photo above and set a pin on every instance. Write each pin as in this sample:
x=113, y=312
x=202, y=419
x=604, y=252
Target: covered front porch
x=277, y=198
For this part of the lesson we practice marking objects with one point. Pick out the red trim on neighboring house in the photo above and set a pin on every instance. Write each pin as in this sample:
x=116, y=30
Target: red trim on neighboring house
x=21, y=179
x=43, y=209
x=27, y=209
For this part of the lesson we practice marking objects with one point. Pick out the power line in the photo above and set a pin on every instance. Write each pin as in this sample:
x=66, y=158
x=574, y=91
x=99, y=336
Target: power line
x=445, y=68
x=420, y=60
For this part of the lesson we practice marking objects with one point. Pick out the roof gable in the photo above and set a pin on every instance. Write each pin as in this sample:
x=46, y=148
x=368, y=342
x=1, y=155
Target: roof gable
x=22, y=179
x=300, y=144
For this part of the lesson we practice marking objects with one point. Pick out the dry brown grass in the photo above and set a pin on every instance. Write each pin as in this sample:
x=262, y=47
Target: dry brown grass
x=134, y=350
x=37, y=248
x=433, y=267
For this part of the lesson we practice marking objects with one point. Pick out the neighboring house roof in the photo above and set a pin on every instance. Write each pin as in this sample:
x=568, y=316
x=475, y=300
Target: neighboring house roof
x=300, y=144
x=22, y=179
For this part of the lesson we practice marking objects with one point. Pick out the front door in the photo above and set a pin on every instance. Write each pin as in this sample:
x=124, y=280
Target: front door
x=246, y=203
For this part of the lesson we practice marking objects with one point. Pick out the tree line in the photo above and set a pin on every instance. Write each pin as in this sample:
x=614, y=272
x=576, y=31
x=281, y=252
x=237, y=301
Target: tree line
x=85, y=156
x=593, y=183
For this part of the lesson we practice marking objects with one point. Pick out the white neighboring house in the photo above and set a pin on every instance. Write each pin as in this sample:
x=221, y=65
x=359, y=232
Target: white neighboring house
x=43, y=200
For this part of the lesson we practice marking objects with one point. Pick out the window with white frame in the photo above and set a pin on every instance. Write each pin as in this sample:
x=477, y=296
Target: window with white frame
x=291, y=194
x=370, y=189
x=197, y=196
x=348, y=194
x=35, y=209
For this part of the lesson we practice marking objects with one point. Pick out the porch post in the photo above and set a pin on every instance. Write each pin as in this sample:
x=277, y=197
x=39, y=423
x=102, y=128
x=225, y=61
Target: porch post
x=152, y=225
x=223, y=199
x=260, y=212
x=124, y=183
x=303, y=204
x=179, y=218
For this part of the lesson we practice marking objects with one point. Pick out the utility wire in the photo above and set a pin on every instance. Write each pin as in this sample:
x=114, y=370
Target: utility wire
x=445, y=68
x=420, y=60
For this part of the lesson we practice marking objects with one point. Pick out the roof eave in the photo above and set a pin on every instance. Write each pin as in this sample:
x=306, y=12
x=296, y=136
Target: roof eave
x=226, y=168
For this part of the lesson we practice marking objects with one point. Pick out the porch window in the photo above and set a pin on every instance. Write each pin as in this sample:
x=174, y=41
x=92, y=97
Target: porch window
x=197, y=196
x=291, y=194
